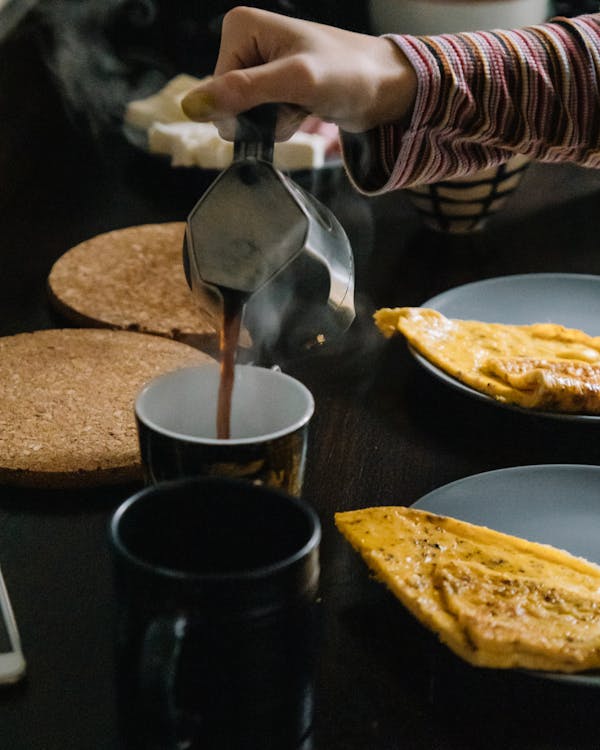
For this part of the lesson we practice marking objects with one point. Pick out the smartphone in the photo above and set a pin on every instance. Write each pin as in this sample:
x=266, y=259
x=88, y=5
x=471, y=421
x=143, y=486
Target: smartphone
x=12, y=661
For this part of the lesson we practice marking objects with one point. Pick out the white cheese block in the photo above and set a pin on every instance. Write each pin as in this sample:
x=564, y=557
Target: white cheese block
x=164, y=106
x=190, y=144
x=198, y=144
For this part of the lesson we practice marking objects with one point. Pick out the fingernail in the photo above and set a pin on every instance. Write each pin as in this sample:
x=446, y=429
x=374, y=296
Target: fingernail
x=198, y=105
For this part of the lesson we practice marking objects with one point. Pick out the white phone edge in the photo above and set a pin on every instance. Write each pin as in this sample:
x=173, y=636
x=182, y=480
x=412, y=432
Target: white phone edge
x=12, y=663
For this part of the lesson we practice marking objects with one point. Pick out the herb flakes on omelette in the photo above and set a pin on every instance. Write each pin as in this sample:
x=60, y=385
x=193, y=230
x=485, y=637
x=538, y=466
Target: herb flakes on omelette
x=494, y=599
x=540, y=366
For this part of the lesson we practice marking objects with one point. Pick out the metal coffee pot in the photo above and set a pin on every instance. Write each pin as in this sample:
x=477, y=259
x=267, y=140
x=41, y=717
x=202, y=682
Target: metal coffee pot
x=258, y=233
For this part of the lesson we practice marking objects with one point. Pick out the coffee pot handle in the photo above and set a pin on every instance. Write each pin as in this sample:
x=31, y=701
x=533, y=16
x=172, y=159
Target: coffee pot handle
x=159, y=665
x=255, y=133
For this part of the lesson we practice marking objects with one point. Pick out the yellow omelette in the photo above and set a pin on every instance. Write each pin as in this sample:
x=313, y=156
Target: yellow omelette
x=541, y=366
x=494, y=599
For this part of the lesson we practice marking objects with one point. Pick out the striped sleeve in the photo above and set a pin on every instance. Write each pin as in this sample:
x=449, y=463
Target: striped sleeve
x=482, y=96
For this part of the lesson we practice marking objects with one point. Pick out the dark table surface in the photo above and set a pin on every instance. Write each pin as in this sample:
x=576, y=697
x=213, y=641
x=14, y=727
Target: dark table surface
x=384, y=432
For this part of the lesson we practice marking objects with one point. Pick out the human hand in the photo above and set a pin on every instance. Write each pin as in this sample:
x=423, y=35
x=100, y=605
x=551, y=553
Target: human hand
x=355, y=80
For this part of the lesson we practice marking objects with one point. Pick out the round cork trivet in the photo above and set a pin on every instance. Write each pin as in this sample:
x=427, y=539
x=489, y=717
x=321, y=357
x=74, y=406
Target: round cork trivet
x=67, y=403
x=133, y=279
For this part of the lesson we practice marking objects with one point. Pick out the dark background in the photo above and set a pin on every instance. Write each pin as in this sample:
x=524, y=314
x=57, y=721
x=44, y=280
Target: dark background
x=384, y=432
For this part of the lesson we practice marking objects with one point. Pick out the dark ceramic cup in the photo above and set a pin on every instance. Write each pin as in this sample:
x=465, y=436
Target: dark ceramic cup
x=217, y=616
x=270, y=413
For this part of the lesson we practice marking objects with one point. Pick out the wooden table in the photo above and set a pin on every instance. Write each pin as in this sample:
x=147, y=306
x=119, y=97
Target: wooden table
x=384, y=432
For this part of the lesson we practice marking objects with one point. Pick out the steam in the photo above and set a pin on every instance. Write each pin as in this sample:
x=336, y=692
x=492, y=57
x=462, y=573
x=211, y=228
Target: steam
x=105, y=53
x=99, y=56
x=11, y=15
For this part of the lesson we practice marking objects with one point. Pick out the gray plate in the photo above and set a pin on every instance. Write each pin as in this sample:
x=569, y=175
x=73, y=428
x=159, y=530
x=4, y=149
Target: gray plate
x=557, y=504
x=571, y=300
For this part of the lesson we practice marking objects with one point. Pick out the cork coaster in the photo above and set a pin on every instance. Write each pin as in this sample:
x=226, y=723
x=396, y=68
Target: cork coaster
x=133, y=279
x=67, y=404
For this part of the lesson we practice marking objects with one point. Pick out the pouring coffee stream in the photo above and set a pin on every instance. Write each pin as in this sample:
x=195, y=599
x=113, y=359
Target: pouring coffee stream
x=269, y=248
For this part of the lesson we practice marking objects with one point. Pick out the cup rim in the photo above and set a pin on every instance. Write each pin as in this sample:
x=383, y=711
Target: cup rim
x=263, y=571
x=201, y=440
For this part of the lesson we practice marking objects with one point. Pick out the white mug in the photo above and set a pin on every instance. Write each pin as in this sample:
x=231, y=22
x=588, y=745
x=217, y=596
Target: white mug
x=270, y=414
x=453, y=16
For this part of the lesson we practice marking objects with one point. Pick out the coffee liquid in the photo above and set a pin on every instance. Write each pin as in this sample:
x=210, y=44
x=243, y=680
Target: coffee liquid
x=233, y=309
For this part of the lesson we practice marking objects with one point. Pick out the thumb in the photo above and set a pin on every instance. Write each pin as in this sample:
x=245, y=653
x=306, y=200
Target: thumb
x=226, y=95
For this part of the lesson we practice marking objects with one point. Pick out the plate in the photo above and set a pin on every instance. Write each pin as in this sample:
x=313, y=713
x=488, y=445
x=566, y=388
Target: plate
x=557, y=504
x=572, y=300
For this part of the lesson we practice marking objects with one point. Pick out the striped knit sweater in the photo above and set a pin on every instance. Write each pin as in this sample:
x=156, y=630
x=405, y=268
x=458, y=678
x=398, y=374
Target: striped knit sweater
x=482, y=96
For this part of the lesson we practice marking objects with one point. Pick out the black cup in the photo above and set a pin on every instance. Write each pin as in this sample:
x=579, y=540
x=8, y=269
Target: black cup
x=217, y=626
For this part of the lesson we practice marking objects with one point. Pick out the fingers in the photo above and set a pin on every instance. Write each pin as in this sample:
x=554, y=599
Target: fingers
x=228, y=94
x=212, y=103
x=222, y=98
x=289, y=120
x=246, y=38
x=225, y=96
x=355, y=80
x=257, y=64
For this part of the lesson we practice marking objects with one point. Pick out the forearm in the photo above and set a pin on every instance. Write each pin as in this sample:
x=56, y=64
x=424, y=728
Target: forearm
x=482, y=96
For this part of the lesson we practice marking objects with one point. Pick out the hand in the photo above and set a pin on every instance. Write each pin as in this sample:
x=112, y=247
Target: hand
x=355, y=80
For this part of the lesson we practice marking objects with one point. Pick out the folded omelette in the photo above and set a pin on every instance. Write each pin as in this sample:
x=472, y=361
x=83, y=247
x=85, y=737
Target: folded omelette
x=495, y=600
x=541, y=366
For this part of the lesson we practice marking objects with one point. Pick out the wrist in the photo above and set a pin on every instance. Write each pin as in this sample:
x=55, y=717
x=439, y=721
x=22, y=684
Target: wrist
x=397, y=89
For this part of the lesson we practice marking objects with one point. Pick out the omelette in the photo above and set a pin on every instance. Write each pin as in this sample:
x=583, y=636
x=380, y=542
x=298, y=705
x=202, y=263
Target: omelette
x=494, y=599
x=541, y=366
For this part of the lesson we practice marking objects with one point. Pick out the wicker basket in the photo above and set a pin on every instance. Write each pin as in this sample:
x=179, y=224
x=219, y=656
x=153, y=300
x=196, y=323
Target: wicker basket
x=464, y=204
